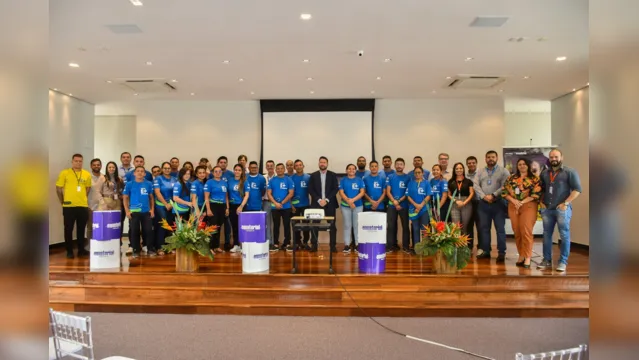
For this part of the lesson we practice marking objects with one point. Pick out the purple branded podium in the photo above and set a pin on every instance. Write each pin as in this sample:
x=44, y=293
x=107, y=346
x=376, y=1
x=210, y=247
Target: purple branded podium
x=255, y=248
x=105, y=244
x=372, y=242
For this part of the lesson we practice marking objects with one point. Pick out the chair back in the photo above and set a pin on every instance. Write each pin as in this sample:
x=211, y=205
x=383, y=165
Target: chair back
x=577, y=353
x=74, y=330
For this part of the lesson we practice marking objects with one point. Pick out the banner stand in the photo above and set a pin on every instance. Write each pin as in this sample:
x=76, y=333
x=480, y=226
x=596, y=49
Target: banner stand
x=255, y=248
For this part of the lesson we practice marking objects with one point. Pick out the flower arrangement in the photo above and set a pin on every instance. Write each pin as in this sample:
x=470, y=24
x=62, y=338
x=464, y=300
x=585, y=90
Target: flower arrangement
x=192, y=235
x=445, y=241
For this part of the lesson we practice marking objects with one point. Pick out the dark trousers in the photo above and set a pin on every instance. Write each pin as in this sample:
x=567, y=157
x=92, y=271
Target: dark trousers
x=144, y=238
x=418, y=225
x=77, y=216
x=328, y=211
x=489, y=214
x=228, y=229
x=391, y=240
x=297, y=235
x=140, y=220
x=285, y=216
x=217, y=219
x=474, y=222
x=235, y=223
x=157, y=239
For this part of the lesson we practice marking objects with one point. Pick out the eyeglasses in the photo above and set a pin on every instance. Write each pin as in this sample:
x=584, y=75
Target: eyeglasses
x=167, y=168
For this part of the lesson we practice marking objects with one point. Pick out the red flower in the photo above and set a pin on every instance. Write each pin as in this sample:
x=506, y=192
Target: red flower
x=201, y=226
x=440, y=226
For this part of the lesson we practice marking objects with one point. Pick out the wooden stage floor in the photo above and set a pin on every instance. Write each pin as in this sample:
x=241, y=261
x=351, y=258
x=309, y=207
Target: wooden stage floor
x=407, y=288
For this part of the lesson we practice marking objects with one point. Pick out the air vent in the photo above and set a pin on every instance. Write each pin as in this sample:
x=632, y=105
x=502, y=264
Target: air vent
x=124, y=29
x=147, y=86
x=475, y=82
x=488, y=21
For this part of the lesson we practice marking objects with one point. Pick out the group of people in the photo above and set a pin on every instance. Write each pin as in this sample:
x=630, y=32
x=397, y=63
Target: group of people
x=473, y=197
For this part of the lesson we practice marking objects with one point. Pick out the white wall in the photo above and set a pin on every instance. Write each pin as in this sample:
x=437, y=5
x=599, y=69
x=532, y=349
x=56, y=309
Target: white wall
x=460, y=127
x=570, y=124
x=527, y=129
x=71, y=124
x=114, y=135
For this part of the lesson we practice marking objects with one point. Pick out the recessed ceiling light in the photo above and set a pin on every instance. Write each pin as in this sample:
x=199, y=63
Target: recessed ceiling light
x=225, y=62
x=448, y=77
x=306, y=60
x=70, y=94
x=174, y=80
x=55, y=89
x=468, y=59
x=136, y=94
x=379, y=78
x=501, y=90
x=388, y=60
x=561, y=58
x=240, y=79
x=434, y=92
x=587, y=84
x=372, y=91
x=109, y=81
x=252, y=92
x=136, y=2
x=526, y=77
x=149, y=63
x=192, y=94
x=75, y=65
x=306, y=16
x=309, y=79
x=312, y=92
x=574, y=89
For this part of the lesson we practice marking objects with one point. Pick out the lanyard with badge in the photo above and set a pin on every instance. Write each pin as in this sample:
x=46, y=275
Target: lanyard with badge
x=490, y=175
x=553, y=176
x=77, y=179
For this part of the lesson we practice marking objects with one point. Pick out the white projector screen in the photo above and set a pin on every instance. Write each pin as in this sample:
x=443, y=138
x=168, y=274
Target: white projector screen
x=341, y=136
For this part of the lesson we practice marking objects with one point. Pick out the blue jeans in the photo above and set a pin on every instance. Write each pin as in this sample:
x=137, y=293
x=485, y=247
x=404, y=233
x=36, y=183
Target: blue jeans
x=489, y=214
x=562, y=219
x=266, y=206
x=350, y=223
x=418, y=224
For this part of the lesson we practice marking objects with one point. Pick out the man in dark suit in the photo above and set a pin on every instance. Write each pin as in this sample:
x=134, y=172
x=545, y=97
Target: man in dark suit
x=323, y=187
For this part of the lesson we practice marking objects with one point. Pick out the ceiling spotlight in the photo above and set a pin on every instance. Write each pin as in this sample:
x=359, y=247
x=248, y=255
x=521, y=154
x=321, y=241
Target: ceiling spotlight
x=136, y=94
x=136, y=2
x=379, y=78
x=109, y=81
x=574, y=89
x=149, y=63
x=174, y=80
x=192, y=94
x=372, y=91
x=501, y=90
x=387, y=60
x=252, y=92
x=561, y=58
x=312, y=92
x=225, y=62
x=306, y=60
x=587, y=84
x=55, y=89
x=306, y=16
x=240, y=79
x=309, y=79
x=468, y=59
x=70, y=94
x=448, y=77
x=75, y=65
x=526, y=77
x=434, y=92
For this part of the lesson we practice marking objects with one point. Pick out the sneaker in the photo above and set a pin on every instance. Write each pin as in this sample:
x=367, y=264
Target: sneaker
x=227, y=247
x=347, y=250
x=152, y=253
x=135, y=255
x=129, y=250
x=561, y=267
x=544, y=265
x=483, y=255
x=289, y=248
x=306, y=247
x=274, y=248
x=406, y=251
x=355, y=250
x=236, y=249
x=412, y=252
x=144, y=249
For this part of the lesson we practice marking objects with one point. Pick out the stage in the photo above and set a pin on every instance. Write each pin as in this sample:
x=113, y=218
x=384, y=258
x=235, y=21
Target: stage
x=407, y=288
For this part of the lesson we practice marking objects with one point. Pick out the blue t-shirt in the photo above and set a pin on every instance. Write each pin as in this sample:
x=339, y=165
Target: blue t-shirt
x=351, y=188
x=361, y=174
x=184, y=195
x=138, y=193
x=235, y=197
x=257, y=188
x=412, y=174
x=438, y=187
x=279, y=187
x=197, y=189
x=226, y=175
x=175, y=174
x=418, y=192
x=166, y=188
x=375, y=186
x=300, y=198
x=130, y=176
x=217, y=190
x=398, y=185
x=388, y=173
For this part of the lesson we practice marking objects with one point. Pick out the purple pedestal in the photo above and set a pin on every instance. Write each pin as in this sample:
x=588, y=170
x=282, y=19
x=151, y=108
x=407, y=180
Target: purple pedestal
x=372, y=258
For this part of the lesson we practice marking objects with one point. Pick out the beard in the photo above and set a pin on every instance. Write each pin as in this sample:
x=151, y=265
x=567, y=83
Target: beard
x=555, y=163
x=361, y=167
x=491, y=163
x=322, y=167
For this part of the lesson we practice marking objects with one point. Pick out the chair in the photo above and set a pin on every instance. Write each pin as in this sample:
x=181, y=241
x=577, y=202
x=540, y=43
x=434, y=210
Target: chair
x=72, y=337
x=576, y=353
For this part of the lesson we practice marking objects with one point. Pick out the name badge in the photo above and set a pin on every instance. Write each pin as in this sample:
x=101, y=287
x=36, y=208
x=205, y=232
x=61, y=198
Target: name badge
x=550, y=190
x=115, y=196
x=79, y=188
x=490, y=181
x=517, y=191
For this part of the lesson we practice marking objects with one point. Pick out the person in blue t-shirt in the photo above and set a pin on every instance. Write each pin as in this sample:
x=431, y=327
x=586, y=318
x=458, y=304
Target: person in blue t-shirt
x=227, y=174
x=387, y=164
x=197, y=190
x=280, y=191
x=419, y=193
x=300, y=202
x=138, y=206
x=257, y=188
x=375, y=184
x=439, y=187
x=396, y=185
x=238, y=196
x=216, y=199
x=182, y=193
x=175, y=167
x=163, y=190
x=351, y=191
x=361, y=168
x=138, y=161
x=418, y=162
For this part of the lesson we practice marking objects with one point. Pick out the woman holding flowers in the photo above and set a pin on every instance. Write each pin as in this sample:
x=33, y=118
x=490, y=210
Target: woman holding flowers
x=523, y=190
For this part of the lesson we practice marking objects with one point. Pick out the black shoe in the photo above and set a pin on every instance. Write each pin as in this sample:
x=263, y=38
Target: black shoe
x=274, y=248
x=347, y=250
x=501, y=258
x=289, y=248
x=313, y=250
x=83, y=253
x=412, y=252
x=70, y=255
x=406, y=251
x=484, y=255
x=307, y=248
x=396, y=247
x=520, y=263
x=334, y=249
x=227, y=247
x=525, y=266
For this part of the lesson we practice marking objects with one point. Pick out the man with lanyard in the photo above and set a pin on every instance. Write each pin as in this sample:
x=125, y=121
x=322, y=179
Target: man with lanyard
x=266, y=204
x=72, y=188
x=257, y=185
x=471, y=164
x=300, y=201
x=361, y=168
x=387, y=162
x=375, y=184
x=442, y=160
x=418, y=162
x=396, y=186
x=95, y=194
x=175, y=167
x=125, y=168
x=561, y=185
x=488, y=185
x=227, y=175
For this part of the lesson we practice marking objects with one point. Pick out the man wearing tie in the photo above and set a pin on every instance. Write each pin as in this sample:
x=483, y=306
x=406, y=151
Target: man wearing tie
x=323, y=187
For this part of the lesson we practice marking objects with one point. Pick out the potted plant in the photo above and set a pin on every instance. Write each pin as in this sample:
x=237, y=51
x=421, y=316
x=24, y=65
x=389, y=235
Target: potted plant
x=189, y=239
x=446, y=243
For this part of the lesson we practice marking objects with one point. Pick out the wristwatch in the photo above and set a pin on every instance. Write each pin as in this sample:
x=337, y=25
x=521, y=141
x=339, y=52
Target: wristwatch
x=566, y=204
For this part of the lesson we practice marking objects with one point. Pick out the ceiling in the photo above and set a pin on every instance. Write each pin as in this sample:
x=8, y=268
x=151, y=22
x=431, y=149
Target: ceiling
x=266, y=42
